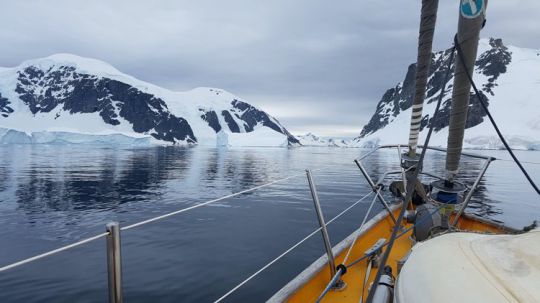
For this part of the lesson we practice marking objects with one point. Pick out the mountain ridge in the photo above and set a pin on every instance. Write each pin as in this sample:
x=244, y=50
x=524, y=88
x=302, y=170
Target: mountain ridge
x=68, y=93
x=503, y=74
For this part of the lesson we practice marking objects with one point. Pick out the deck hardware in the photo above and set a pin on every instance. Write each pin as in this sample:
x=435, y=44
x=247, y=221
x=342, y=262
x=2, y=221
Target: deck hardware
x=338, y=284
x=471, y=191
x=372, y=184
x=376, y=248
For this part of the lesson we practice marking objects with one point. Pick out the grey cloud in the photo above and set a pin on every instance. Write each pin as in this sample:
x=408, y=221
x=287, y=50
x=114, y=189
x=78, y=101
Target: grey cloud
x=311, y=63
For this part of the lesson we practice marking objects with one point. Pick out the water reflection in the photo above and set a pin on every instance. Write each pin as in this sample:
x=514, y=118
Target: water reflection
x=53, y=195
x=95, y=179
x=38, y=179
x=71, y=178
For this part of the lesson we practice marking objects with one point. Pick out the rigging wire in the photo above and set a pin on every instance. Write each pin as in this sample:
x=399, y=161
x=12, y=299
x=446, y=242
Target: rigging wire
x=341, y=271
x=478, y=95
x=361, y=226
x=411, y=183
x=333, y=281
x=353, y=263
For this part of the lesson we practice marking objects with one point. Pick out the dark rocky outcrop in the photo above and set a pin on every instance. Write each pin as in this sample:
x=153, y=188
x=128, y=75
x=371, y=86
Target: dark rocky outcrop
x=212, y=119
x=5, y=109
x=493, y=63
x=253, y=116
x=66, y=89
x=230, y=121
x=247, y=115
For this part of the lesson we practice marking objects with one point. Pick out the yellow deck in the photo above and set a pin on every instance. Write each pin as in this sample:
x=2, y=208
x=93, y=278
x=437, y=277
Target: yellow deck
x=354, y=278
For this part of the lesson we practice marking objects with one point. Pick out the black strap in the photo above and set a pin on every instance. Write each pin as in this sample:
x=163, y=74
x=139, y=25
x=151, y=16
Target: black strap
x=343, y=269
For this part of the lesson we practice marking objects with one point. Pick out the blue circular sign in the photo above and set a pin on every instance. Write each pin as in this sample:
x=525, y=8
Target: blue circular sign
x=472, y=8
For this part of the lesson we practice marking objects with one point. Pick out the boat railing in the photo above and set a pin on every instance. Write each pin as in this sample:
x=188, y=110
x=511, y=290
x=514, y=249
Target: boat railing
x=113, y=243
x=113, y=229
x=376, y=186
x=463, y=205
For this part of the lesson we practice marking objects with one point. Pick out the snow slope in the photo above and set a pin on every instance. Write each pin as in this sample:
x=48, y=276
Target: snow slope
x=510, y=79
x=65, y=93
x=310, y=139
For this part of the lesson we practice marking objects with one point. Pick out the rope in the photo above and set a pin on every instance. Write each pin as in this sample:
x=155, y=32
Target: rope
x=484, y=106
x=287, y=251
x=52, y=252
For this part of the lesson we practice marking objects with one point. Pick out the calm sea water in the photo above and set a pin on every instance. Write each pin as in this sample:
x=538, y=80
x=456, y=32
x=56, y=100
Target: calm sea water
x=54, y=195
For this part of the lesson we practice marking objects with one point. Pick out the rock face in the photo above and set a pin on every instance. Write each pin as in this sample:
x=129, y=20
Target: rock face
x=56, y=90
x=498, y=70
x=76, y=93
x=5, y=110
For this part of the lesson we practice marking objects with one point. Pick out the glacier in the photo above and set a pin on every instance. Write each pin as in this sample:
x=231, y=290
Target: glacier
x=10, y=136
x=313, y=140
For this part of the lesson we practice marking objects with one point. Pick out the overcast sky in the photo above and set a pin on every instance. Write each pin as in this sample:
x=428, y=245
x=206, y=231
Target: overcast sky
x=318, y=66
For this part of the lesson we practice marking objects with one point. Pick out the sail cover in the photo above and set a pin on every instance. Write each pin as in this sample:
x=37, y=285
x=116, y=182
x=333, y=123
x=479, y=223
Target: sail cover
x=468, y=267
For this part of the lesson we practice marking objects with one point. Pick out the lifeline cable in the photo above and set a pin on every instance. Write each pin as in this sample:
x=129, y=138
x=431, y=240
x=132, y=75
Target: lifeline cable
x=484, y=106
x=66, y=247
x=287, y=251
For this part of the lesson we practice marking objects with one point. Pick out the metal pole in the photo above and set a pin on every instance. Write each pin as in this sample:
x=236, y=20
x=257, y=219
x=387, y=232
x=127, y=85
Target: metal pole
x=471, y=20
x=114, y=262
x=324, y=231
x=471, y=191
x=403, y=177
x=428, y=17
x=410, y=187
x=378, y=193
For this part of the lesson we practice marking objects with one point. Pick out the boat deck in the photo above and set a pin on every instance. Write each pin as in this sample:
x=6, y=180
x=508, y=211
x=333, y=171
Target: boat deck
x=354, y=278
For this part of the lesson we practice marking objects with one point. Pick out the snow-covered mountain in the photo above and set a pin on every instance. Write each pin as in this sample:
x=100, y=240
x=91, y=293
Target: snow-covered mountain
x=509, y=77
x=310, y=139
x=66, y=98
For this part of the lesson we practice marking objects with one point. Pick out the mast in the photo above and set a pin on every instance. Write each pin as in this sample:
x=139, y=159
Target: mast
x=428, y=18
x=471, y=20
